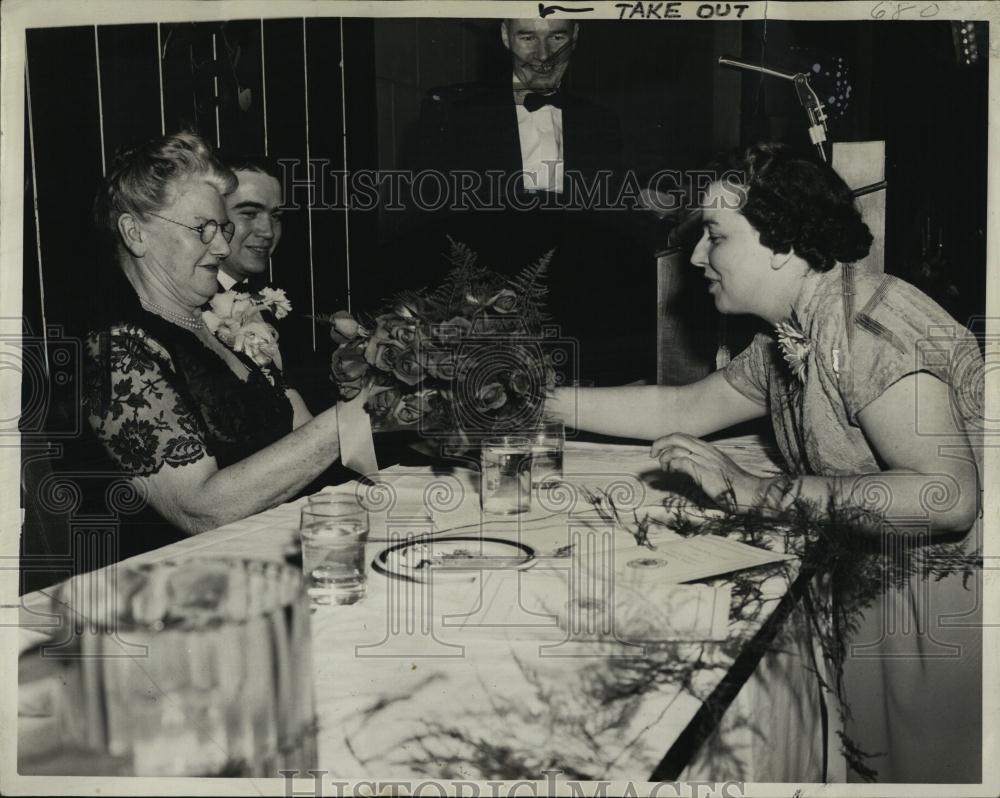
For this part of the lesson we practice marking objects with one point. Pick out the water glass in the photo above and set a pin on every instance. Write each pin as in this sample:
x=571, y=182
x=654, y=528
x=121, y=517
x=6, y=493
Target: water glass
x=505, y=476
x=334, y=533
x=547, y=443
x=188, y=668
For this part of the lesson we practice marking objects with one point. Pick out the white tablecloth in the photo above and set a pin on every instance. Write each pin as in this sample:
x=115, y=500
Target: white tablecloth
x=484, y=678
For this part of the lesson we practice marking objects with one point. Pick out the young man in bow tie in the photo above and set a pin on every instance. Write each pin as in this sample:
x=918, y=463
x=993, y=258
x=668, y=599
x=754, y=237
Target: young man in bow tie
x=255, y=208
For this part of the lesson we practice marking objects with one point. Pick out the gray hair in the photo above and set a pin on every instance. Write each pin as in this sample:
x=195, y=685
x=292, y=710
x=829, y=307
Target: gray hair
x=141, y=176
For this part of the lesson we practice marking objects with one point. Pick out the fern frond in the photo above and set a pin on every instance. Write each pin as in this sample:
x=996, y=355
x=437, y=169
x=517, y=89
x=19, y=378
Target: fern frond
x=529, y=285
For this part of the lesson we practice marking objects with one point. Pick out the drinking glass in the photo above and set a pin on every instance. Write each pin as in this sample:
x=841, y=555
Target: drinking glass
x=334, y=532
x=505, y=476
x=188, y=668
x=547, y=443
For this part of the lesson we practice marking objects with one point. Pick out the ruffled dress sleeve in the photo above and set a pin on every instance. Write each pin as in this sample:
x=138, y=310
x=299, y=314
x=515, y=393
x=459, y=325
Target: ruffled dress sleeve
x=136, y=406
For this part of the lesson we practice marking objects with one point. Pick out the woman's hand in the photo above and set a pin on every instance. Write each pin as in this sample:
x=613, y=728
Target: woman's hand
x=722, y=480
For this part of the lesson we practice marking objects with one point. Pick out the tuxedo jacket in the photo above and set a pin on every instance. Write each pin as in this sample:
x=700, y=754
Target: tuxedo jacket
x=598, y=275
x=474, y=127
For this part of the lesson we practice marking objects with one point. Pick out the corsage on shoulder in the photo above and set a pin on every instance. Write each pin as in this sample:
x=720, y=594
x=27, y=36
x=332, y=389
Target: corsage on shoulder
x=234, y=317
x=795, y=346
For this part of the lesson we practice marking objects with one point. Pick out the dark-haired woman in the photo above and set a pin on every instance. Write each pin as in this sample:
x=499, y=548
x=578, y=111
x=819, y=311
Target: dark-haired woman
x=875, y=398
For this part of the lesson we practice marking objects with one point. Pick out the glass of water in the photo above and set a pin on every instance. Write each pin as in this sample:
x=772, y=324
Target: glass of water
x=199, y=667
x=334, y=533
x=505, y=476
x=547, y=443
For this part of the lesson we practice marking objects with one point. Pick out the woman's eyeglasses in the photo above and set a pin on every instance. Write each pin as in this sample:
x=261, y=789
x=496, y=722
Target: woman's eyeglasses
x=205, y=231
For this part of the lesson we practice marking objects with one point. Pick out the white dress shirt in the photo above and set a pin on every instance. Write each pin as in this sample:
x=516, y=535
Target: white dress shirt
x=226, y=281
x=541, y=135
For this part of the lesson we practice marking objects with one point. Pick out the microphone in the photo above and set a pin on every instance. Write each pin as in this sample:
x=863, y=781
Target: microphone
x=807, y=97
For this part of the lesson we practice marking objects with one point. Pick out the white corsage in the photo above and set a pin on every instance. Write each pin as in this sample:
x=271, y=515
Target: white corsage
x=795, y=346
x=235, y=318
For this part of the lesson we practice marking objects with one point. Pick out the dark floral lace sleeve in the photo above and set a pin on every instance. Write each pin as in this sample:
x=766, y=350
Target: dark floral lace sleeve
x=139, y=415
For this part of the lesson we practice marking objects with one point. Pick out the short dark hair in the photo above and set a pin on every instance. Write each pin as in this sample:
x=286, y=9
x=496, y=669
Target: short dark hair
x=242, y=162
x=797, y=202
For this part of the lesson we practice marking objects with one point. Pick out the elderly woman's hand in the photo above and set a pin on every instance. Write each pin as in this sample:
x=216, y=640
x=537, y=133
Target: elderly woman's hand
x=716, y=474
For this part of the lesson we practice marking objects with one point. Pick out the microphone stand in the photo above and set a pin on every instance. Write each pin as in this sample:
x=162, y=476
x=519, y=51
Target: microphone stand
x=807, y=97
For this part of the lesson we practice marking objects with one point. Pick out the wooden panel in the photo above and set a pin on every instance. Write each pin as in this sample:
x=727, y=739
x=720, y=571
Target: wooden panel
x=362, y=144
x=862, y=163
x=130, y=85
x=241, y=96
x=63, y=83
x=31, y=301
x=286, y=133
x=188, y=69
x=326, y=143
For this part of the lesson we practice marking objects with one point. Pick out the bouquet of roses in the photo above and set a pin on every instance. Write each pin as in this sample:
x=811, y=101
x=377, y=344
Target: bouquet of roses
x=237, y=319
x=464, y=358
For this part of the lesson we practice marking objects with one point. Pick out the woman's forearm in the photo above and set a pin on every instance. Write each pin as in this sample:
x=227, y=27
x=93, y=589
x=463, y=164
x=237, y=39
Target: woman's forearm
x=892, y=500
x=262, y=480
x=650, y=411
x=631, y=411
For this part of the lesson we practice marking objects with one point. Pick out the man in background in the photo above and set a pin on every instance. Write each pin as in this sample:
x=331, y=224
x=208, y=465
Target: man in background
x=528, y=145
x=525, y=124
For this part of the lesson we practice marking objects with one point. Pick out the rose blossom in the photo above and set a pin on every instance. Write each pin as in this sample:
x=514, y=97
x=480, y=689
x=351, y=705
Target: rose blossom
x=382, y=403
x=348, y=364
x=344, y=327
x=491, y=396
x=412, y=406
x=520, y=382
x=407, y=368
x=382, y=354
x=350, y=388
x=439, y=363
x=504, y=301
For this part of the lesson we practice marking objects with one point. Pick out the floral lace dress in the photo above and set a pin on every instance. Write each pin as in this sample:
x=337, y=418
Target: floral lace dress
x=157, y=397
x=913, y=669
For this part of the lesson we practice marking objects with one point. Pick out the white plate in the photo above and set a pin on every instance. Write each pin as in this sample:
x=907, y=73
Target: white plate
x=416, y=559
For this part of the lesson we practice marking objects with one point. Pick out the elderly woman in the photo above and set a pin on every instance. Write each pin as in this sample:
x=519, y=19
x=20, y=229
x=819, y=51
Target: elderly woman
x=208, y=434
x=875, y=397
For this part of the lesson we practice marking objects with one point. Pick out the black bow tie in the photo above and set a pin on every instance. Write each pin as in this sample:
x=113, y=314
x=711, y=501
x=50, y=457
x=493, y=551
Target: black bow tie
x=533, y=101
x=241, y=285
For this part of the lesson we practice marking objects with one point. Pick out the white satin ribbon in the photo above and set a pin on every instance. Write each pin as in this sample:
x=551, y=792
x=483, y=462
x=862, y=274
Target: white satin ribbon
x=357, y=448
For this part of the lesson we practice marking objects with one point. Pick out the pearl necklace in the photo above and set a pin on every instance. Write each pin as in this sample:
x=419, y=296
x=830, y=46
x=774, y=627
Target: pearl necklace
x=177, y=318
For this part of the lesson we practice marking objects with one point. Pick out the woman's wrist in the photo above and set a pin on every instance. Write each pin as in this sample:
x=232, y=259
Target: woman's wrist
x=774, y=495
